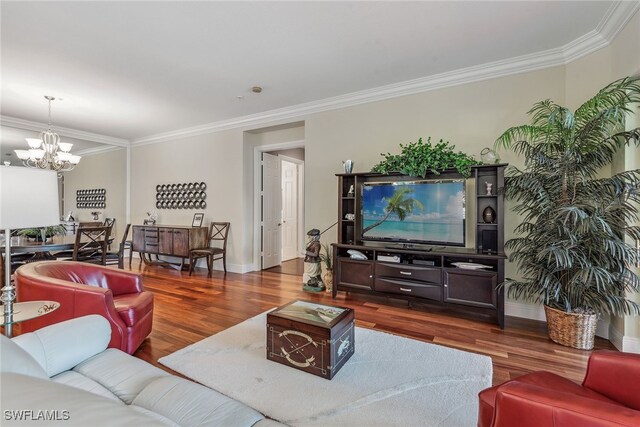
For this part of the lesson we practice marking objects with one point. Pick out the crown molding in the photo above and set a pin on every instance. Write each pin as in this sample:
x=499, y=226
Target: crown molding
x=99, y=150
x=67, y=132
x=611, y=24
x=618, y=15
x=583, y=46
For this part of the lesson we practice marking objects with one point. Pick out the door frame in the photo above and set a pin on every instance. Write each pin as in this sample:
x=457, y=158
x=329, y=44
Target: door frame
x=257, y=195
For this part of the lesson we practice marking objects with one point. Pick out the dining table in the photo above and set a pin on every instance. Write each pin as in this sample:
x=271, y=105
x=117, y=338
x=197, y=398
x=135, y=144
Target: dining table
x=22, y=244
x=42, y=250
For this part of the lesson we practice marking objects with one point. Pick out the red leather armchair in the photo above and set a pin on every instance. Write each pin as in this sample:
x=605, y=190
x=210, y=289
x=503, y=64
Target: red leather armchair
x=608, y=396
x=83, y=289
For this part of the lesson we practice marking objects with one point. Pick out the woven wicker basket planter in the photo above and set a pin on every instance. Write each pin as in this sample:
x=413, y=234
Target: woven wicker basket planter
x=571, y=329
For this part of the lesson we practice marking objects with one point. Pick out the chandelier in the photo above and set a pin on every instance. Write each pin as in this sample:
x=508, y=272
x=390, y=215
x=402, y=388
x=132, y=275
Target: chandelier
x=48, y=152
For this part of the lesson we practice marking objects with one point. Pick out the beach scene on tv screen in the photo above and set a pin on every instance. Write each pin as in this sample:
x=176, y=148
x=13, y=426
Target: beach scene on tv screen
x=416, y=211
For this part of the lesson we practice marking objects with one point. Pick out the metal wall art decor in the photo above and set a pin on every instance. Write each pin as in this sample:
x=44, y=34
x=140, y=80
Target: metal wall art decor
x=91, y=199
x=181, y=196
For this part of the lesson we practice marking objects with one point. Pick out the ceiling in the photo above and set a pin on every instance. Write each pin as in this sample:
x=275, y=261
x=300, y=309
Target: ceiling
x=130, y=70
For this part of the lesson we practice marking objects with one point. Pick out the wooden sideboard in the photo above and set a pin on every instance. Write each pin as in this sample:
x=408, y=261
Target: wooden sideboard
x=170, y=240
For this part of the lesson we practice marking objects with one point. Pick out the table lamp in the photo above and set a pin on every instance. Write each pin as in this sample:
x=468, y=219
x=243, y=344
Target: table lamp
x=28, y=199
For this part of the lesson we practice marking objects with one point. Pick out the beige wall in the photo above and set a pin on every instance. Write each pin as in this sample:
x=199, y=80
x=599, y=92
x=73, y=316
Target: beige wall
x=215, y=159
x=106, y=170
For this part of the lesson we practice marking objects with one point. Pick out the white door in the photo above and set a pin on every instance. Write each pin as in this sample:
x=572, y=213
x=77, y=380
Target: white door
x=289, y=210
x=271, y=211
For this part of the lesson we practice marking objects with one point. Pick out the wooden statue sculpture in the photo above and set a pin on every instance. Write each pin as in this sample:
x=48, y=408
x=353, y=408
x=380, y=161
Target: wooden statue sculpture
x=312, y=277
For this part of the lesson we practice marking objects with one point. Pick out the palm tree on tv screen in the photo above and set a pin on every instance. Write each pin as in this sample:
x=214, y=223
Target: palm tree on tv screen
x=400, y=204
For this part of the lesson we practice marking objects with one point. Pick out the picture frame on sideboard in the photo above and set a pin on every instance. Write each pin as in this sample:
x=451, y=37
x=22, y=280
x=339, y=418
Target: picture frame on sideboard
x=197, y=220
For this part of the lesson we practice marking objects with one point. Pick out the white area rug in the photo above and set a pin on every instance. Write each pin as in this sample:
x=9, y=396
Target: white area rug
x=389, y=380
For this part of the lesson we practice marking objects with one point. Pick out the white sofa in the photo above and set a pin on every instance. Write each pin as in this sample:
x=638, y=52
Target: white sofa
x=65, y=372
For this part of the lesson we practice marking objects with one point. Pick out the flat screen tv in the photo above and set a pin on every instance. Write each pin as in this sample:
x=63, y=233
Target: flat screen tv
x=429, y=212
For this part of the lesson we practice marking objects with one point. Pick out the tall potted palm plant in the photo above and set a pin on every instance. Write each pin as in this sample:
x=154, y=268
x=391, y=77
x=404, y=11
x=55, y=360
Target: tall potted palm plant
x=570, y=247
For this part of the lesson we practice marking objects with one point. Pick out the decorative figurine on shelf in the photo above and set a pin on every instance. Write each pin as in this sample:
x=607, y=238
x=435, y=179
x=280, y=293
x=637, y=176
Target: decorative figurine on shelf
x=351, y=191
x=488, y=215
x=350, y=217
x=312, y=278
x=96, y=215
x=489, y=187
x=152, y=216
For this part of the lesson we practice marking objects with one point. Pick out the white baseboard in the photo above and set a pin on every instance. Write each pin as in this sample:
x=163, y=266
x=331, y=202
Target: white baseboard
x=526, y=311
x=631, y=344
x=624, y=343
x=231, y=268
x=240, y=268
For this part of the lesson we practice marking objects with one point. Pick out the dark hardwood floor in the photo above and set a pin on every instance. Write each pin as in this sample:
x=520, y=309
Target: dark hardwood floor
x=188, y=309
x=293, y=266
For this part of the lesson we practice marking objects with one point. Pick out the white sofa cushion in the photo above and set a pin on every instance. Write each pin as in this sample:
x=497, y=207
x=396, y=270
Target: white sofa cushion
x=122, y=374
x=61, y=346
x=191, y=404
x=151, y=414
x=77, y=380
x=32, y=397
x=14, y=358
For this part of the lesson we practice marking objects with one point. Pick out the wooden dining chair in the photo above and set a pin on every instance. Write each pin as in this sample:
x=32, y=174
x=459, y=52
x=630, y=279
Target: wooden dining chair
x=218, y=233
x=118, y=257
x=110, y=222
x=89, y=224
x=91, y=245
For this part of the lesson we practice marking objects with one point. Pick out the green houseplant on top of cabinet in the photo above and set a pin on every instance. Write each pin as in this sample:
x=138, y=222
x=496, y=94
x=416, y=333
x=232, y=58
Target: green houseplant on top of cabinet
x=571, y=249
x=420, y=158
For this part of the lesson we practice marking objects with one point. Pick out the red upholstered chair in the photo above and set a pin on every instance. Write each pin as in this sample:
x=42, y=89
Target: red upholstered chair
x=83, y=289
x=608, y=396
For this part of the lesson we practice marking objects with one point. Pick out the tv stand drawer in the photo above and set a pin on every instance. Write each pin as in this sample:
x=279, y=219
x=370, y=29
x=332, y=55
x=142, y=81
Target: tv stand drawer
x=409, y=272
x=433, y=292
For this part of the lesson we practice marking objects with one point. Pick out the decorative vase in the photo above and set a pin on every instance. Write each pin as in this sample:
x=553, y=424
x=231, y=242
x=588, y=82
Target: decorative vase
x=327, y=278
x=489, y=156
x=348, y=166
x=488, y=215
x=575, y=330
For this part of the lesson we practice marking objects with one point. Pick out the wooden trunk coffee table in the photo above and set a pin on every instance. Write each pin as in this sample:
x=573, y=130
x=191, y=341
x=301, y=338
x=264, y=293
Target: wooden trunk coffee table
x=312, y=337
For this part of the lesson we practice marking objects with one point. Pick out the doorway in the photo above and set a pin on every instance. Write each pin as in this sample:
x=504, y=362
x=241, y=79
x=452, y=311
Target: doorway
x=281, y=229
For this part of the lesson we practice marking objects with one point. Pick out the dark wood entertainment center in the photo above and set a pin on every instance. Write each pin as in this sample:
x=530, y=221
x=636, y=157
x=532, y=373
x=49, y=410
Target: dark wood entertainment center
x=422, y=273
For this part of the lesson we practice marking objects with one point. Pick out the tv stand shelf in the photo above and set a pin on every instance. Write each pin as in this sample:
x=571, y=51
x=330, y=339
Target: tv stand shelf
x=424, y=277
x=427, y=274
